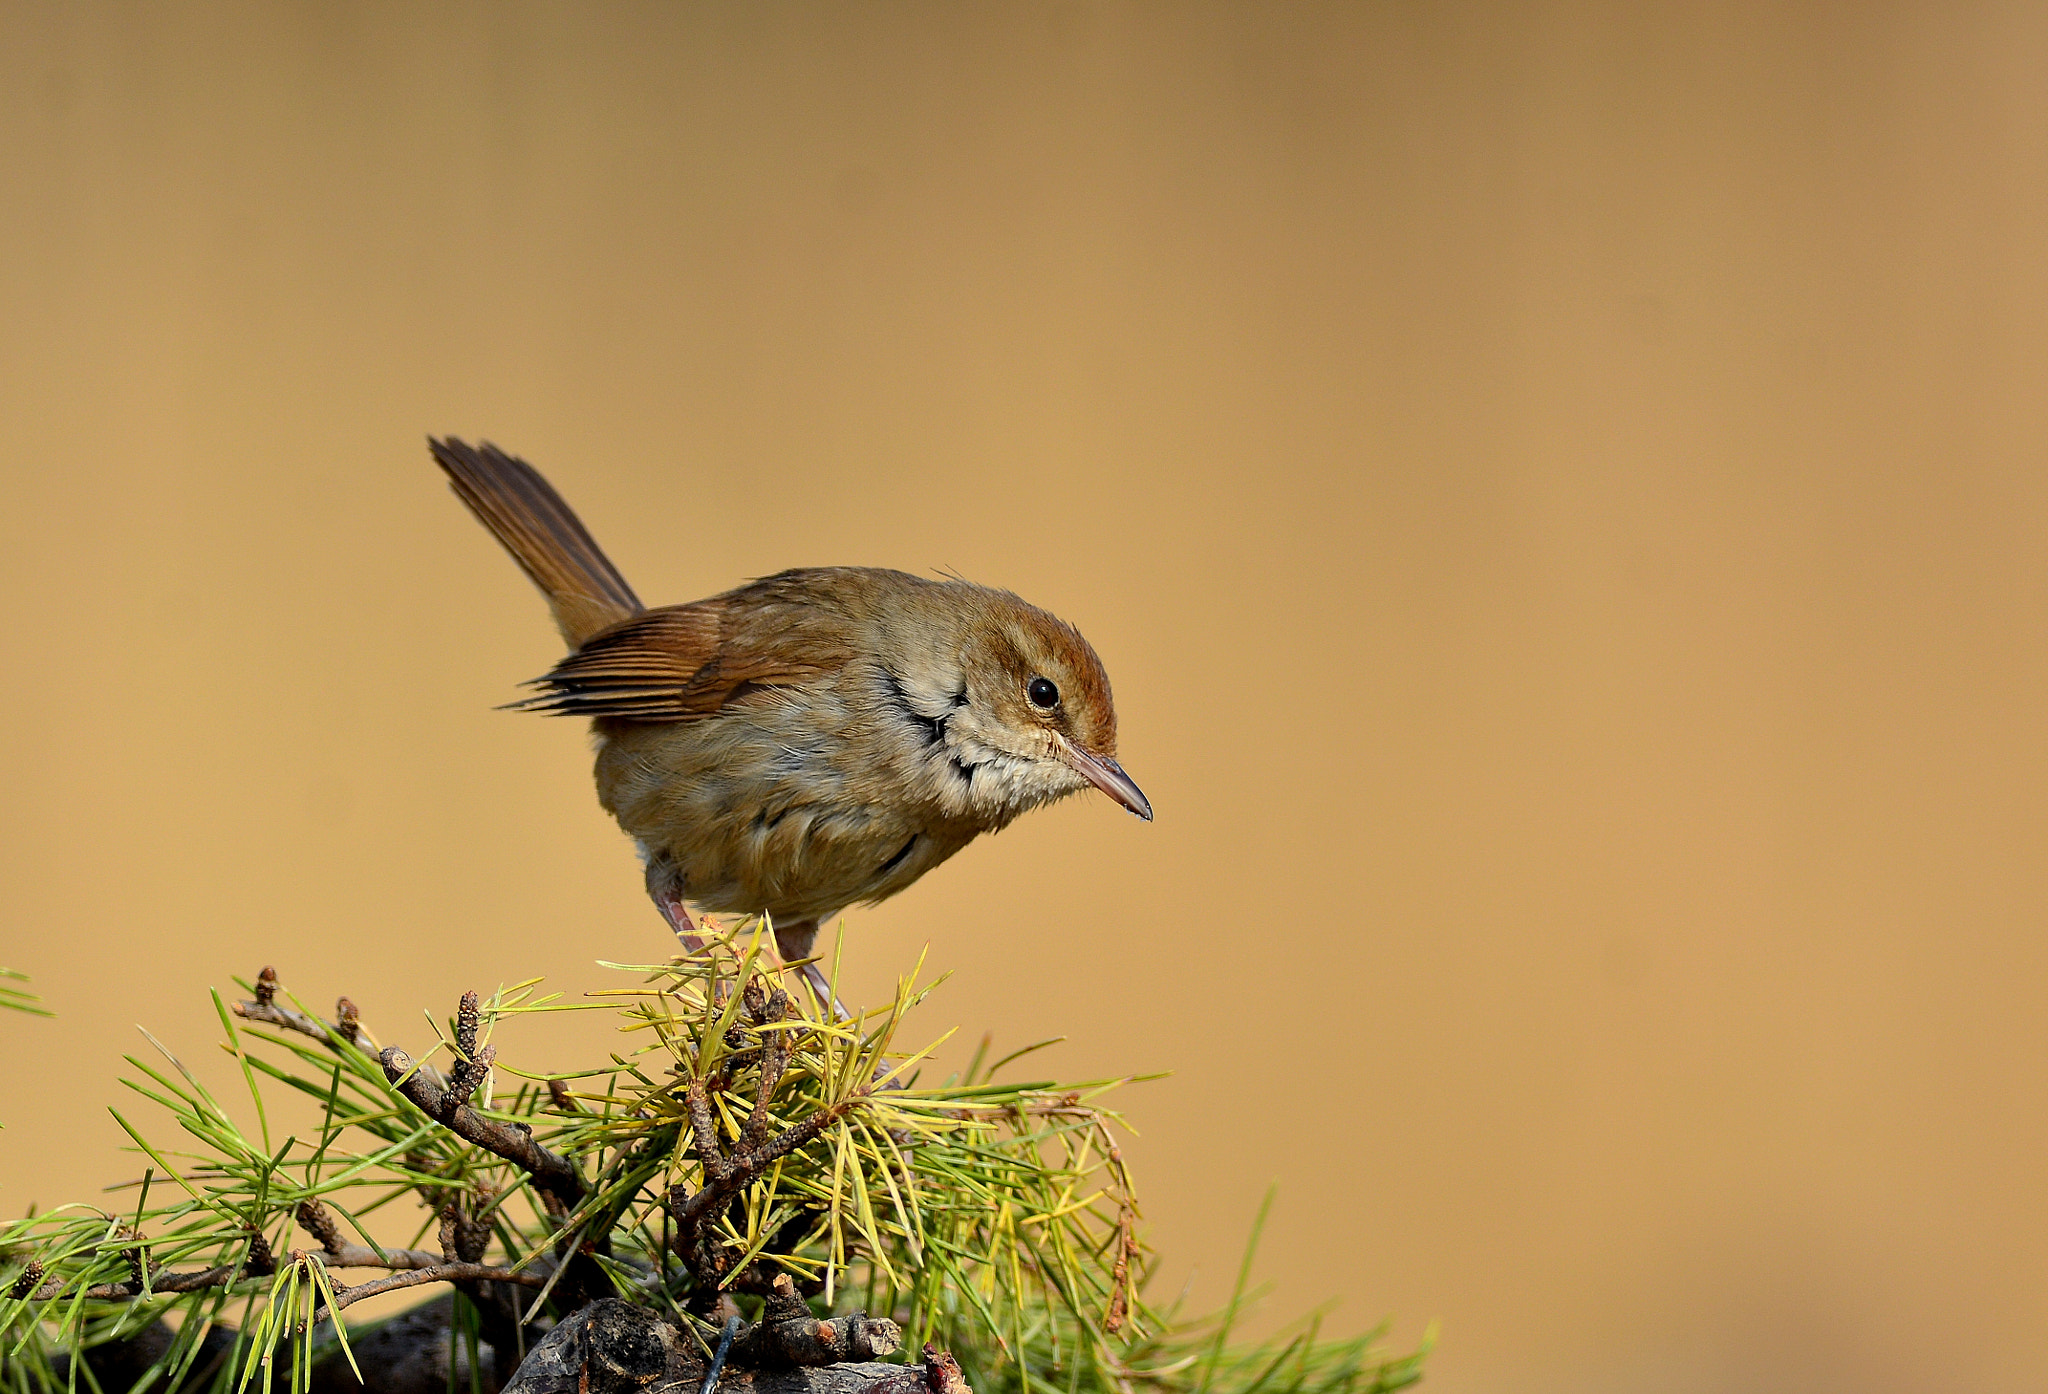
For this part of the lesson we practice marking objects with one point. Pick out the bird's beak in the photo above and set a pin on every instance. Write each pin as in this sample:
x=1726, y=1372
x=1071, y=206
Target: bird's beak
x=1108, y=776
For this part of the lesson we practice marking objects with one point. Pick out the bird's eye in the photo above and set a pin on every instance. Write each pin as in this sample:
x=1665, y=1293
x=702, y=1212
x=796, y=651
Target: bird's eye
x=1043, y=693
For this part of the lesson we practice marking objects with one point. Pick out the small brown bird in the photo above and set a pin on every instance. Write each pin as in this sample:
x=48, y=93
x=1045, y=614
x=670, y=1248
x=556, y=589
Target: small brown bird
x=813, y=739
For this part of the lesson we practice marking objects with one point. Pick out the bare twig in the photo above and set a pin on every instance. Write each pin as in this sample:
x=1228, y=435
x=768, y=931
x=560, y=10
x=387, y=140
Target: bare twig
x=257, y=1265
x=557, y=1183
x=439, y=1273
x=346, y=1029
x=555, y=1177
x=160, y=1282
x=314, y=1218
x=269, y=1011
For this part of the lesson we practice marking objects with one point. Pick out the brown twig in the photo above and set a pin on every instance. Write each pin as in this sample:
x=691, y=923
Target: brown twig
x=412, y=1265
x=726, y=1174
x=257, y=1265
x=162, y=1282
x=465, y=1276
x=408, y=1275
x=439, y=1273
x=465, y=1236
x=313, y=1217
x=1120, y=1272
x=346, y=1029
x=555, y=1179
x=553, y=1176
x=270, y=1012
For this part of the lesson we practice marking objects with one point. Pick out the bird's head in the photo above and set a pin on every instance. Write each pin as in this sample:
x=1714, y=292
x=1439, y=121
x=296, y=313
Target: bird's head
x=1037, y=721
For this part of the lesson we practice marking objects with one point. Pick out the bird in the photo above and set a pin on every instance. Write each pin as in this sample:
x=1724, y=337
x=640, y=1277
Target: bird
x=810, y=740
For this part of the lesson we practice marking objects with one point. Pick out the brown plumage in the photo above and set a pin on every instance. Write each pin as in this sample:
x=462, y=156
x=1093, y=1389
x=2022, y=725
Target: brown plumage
x=810, y=740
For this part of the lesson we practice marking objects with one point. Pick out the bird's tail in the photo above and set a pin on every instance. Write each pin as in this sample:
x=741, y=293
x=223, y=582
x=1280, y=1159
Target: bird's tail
x=543, y=535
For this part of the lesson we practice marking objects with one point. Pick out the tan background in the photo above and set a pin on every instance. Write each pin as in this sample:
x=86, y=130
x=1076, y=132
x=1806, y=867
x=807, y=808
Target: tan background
x=1560, y=492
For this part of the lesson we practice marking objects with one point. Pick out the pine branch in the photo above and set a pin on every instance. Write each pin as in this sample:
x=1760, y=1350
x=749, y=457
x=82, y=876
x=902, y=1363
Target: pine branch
x=779, y=1151
x=553, y=1176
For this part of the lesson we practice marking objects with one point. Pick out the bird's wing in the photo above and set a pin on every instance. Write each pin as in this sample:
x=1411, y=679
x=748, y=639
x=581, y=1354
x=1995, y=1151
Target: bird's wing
x=686, y=662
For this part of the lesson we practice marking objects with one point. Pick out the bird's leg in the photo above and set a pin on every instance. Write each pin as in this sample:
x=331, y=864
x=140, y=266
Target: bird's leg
x=665, y=889
x=678, y=917
x=679, y=920
x=794, y=941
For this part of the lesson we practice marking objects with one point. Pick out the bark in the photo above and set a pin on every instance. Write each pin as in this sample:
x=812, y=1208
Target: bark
x=608, y=1347
x=612, y=1347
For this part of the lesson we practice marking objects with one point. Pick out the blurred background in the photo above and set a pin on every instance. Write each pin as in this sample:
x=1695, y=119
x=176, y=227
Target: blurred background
x=1559, y=489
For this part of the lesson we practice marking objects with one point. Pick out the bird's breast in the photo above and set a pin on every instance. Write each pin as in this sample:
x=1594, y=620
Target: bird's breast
x=800, y=801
